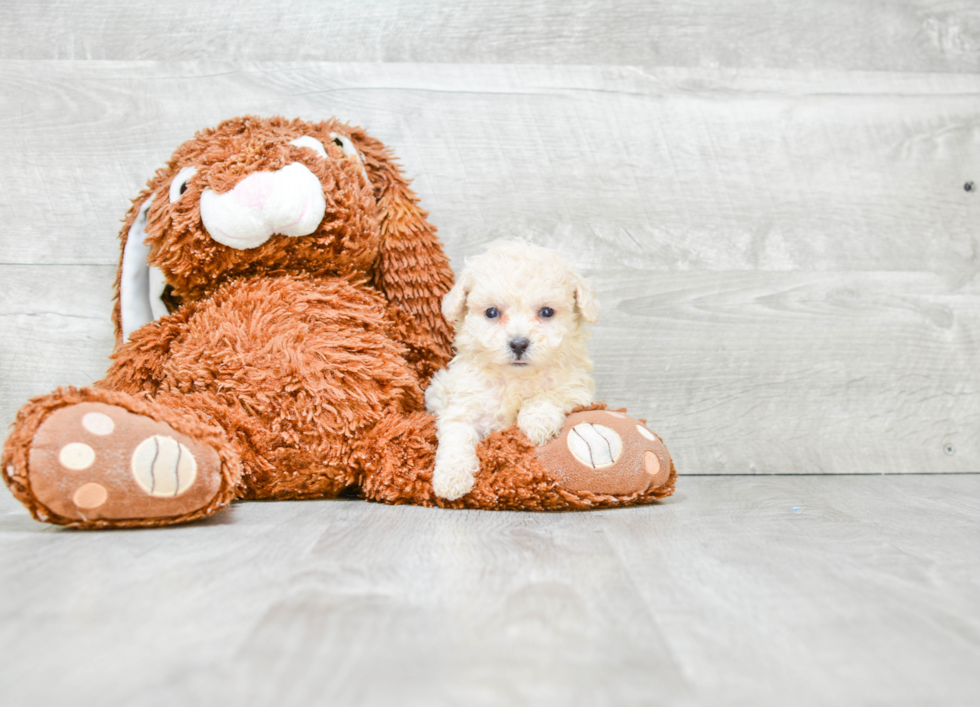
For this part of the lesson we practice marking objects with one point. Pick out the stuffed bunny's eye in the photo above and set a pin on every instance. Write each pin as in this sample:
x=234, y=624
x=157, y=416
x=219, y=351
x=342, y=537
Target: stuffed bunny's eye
x=179, y=185
x=345, y=144
x=310, y=142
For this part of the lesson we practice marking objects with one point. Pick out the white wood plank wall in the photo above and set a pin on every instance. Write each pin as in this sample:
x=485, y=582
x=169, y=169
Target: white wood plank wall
x=881, y=35
x=770, y=195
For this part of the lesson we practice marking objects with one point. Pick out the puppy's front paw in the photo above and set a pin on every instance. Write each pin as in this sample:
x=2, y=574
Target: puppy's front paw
x=453, y=478
x=540, y=424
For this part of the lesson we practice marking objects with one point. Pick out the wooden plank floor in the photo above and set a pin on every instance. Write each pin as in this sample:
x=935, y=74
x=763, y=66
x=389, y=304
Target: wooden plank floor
x=779, y=202
x=856, y=590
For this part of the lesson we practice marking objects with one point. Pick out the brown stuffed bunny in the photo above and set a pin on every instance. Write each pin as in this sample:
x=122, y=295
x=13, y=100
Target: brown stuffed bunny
x=277, y=320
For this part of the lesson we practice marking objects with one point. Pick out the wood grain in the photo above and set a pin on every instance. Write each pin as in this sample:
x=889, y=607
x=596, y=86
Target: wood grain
x=903, y=35
x=686, y=170
x=737, y=591
x=55, y=328
x=796, y=372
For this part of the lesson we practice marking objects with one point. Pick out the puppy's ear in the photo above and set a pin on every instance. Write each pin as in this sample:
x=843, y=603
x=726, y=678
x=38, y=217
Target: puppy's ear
x=454, y=303
x=586, y=300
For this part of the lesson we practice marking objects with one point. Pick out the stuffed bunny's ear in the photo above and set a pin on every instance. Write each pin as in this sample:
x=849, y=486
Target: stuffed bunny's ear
x=140, y=284
x=412, y=272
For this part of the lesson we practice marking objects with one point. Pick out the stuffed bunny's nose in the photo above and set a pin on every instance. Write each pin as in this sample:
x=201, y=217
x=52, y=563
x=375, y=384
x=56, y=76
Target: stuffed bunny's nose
x=288, y=201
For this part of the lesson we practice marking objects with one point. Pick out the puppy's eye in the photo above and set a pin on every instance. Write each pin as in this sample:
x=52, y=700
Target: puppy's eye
x=546, y=312
x=492, y=313
x=179, y=185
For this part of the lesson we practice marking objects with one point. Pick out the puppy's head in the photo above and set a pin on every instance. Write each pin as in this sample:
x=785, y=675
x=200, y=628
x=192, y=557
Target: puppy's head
x=521, y=307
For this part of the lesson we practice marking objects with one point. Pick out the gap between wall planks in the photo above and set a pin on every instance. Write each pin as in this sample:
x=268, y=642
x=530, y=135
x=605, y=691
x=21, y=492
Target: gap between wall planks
x=786, y=258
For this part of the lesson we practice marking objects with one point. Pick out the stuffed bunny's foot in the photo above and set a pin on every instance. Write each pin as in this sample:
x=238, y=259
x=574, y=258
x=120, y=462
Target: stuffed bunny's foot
x=94, y=464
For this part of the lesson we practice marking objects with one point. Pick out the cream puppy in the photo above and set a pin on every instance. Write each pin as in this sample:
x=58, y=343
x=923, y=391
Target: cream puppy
x=519, y=311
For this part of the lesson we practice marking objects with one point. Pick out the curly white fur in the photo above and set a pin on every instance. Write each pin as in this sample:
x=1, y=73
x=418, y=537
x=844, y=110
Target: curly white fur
x=519, y=312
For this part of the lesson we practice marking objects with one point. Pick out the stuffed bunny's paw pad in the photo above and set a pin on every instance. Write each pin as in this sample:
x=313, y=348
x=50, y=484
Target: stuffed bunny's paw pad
x=95, y=461
x=607, y=452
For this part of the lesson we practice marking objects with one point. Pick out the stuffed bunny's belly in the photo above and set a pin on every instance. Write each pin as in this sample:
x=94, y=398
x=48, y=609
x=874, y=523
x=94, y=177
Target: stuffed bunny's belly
x=297, y=370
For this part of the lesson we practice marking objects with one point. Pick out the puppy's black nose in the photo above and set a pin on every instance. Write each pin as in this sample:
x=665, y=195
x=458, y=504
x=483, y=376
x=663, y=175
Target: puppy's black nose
x=519, y=346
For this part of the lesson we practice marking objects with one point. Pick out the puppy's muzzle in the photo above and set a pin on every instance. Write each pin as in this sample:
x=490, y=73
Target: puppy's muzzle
x=519, y=346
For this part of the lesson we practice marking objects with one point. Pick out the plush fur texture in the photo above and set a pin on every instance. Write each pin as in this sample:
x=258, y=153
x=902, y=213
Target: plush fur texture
x=510, y=478
x=299, y=346
x=300, y=352
x=520, y=312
